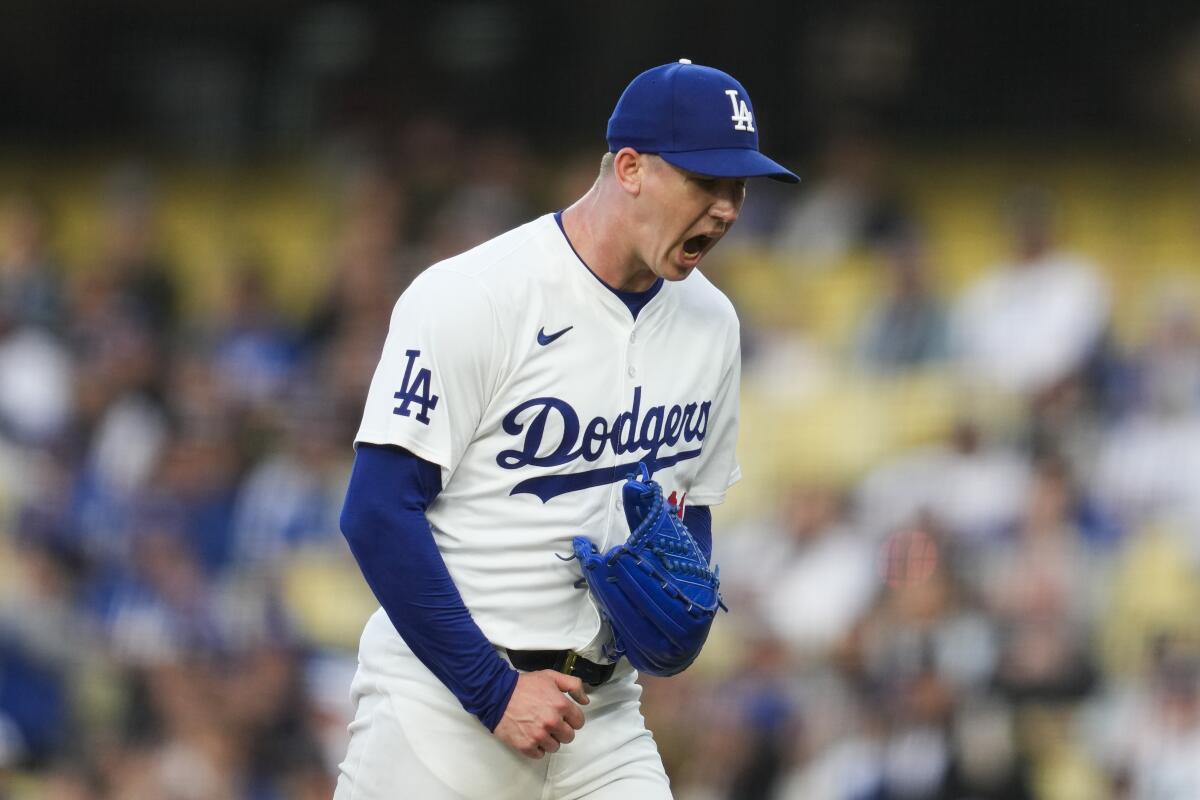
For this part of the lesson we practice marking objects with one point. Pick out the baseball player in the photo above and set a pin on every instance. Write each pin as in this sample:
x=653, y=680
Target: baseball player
x=521, y=383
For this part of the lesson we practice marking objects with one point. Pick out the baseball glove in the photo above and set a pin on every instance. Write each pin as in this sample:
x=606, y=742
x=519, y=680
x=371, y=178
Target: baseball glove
x=656, y=589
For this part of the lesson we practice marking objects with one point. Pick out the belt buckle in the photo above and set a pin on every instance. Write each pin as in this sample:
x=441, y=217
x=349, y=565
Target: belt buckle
x=569, y=662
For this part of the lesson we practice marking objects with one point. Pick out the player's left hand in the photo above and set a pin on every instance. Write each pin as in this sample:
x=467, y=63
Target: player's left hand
x=541, y=717
x=656, y=588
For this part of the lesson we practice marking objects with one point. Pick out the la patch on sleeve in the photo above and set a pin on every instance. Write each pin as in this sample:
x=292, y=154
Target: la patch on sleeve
x=415, y=389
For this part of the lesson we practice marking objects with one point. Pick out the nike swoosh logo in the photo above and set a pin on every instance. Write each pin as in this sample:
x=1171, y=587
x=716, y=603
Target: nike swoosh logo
x=544, y=340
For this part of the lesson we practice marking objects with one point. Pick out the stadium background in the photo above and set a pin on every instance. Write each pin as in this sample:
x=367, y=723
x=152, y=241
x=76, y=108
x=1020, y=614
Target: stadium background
x=960, y=564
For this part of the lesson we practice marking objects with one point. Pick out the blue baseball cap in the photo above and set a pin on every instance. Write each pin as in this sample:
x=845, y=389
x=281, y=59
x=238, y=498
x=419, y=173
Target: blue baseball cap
x=695, y=117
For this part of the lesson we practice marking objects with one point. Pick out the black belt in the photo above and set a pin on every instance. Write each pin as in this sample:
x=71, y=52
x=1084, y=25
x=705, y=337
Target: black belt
x=567, y=662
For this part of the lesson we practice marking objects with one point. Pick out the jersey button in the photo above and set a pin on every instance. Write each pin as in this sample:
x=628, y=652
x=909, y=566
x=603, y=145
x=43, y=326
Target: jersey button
x=632, y=372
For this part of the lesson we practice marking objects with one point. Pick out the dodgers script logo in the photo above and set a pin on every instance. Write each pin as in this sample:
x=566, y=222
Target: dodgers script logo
x=741, y=112
x=642, y=435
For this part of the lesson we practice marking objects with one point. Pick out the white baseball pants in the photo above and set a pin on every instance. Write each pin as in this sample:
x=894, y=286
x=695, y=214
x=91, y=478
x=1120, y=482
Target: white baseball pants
x=411, y=738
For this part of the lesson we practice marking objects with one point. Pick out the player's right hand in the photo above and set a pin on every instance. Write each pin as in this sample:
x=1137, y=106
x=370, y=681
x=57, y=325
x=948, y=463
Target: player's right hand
x=542, y=714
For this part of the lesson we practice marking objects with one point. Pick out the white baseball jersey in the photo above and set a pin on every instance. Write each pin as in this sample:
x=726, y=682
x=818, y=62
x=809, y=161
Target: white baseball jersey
x=528, y=381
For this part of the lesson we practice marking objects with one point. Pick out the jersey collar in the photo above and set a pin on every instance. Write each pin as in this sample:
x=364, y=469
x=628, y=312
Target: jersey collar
x=634, y=301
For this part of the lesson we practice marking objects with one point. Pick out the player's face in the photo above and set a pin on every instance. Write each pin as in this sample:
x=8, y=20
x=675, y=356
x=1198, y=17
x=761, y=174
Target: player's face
x=687, y=214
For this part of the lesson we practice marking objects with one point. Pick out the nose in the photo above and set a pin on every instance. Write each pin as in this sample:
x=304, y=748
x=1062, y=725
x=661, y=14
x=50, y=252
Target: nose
x=728, y=203
x=724, y=210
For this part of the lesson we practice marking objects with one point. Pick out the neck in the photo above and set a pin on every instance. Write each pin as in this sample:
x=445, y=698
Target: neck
x=601, y=236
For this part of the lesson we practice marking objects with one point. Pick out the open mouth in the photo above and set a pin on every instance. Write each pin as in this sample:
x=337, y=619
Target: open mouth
x=696, y=245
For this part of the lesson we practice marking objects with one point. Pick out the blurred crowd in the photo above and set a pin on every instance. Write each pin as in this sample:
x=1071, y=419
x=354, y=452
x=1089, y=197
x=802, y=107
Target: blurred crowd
x=1005, y=612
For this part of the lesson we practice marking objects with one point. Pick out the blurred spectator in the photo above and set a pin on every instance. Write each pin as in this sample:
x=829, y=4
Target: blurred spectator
x=848, y=204
x=371, y=263
x=123, y=316
x=922, y=650
x=1150, y=733
x=909, y=326
x=811, y=576
x=182, y=743
x=765, y=723
x=846, y=770
x=1033, y=321
x=121, y=431
x=1149, y=461
x=1166, y=756
x=925, y=624
x=196, y=484
x=430, y=164
x=158, y=607
x=198, y=399
x=490, y=200
x=30, y=290
x=253, y=351
x=131, y=272
x=292, y=497
x=1070, y=421
x=1043, y=588
x=36, y=386
x=728, y=737
x=35, y=369
x=1168, y=374
x=915, y=660
x=40, y=648
x=266, y=709
x=973, y=487
x=126, y=446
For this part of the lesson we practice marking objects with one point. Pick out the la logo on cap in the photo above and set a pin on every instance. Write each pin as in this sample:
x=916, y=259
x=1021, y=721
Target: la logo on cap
x=674, y=111
x=743, y=119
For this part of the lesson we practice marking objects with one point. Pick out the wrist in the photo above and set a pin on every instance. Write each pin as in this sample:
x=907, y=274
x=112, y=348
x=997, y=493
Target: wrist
x=491, y=716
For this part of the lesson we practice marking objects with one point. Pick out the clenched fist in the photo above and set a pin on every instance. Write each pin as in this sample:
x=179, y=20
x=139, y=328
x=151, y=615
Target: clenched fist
x=542, y=714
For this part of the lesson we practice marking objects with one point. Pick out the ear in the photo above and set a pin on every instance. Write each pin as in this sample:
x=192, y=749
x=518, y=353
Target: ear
x=629, y=168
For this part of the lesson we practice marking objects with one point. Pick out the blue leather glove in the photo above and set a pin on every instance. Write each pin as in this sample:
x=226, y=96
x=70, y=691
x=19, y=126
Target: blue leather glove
x=656, y=589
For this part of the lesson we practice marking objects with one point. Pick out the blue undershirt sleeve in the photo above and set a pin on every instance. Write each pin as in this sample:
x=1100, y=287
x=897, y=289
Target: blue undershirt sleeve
x=698, y=520
x=383, y=520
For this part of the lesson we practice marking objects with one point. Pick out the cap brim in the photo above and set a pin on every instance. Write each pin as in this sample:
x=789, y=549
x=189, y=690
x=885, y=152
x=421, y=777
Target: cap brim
x=730, y=163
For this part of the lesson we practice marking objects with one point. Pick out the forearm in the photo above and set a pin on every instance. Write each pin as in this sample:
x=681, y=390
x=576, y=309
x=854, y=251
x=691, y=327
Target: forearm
x=384, y=523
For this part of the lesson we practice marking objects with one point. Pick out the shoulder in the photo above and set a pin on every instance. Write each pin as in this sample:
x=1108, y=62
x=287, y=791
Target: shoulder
x=491, y=272
x=488, y=270
x=514, y=252
x=696, y=295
